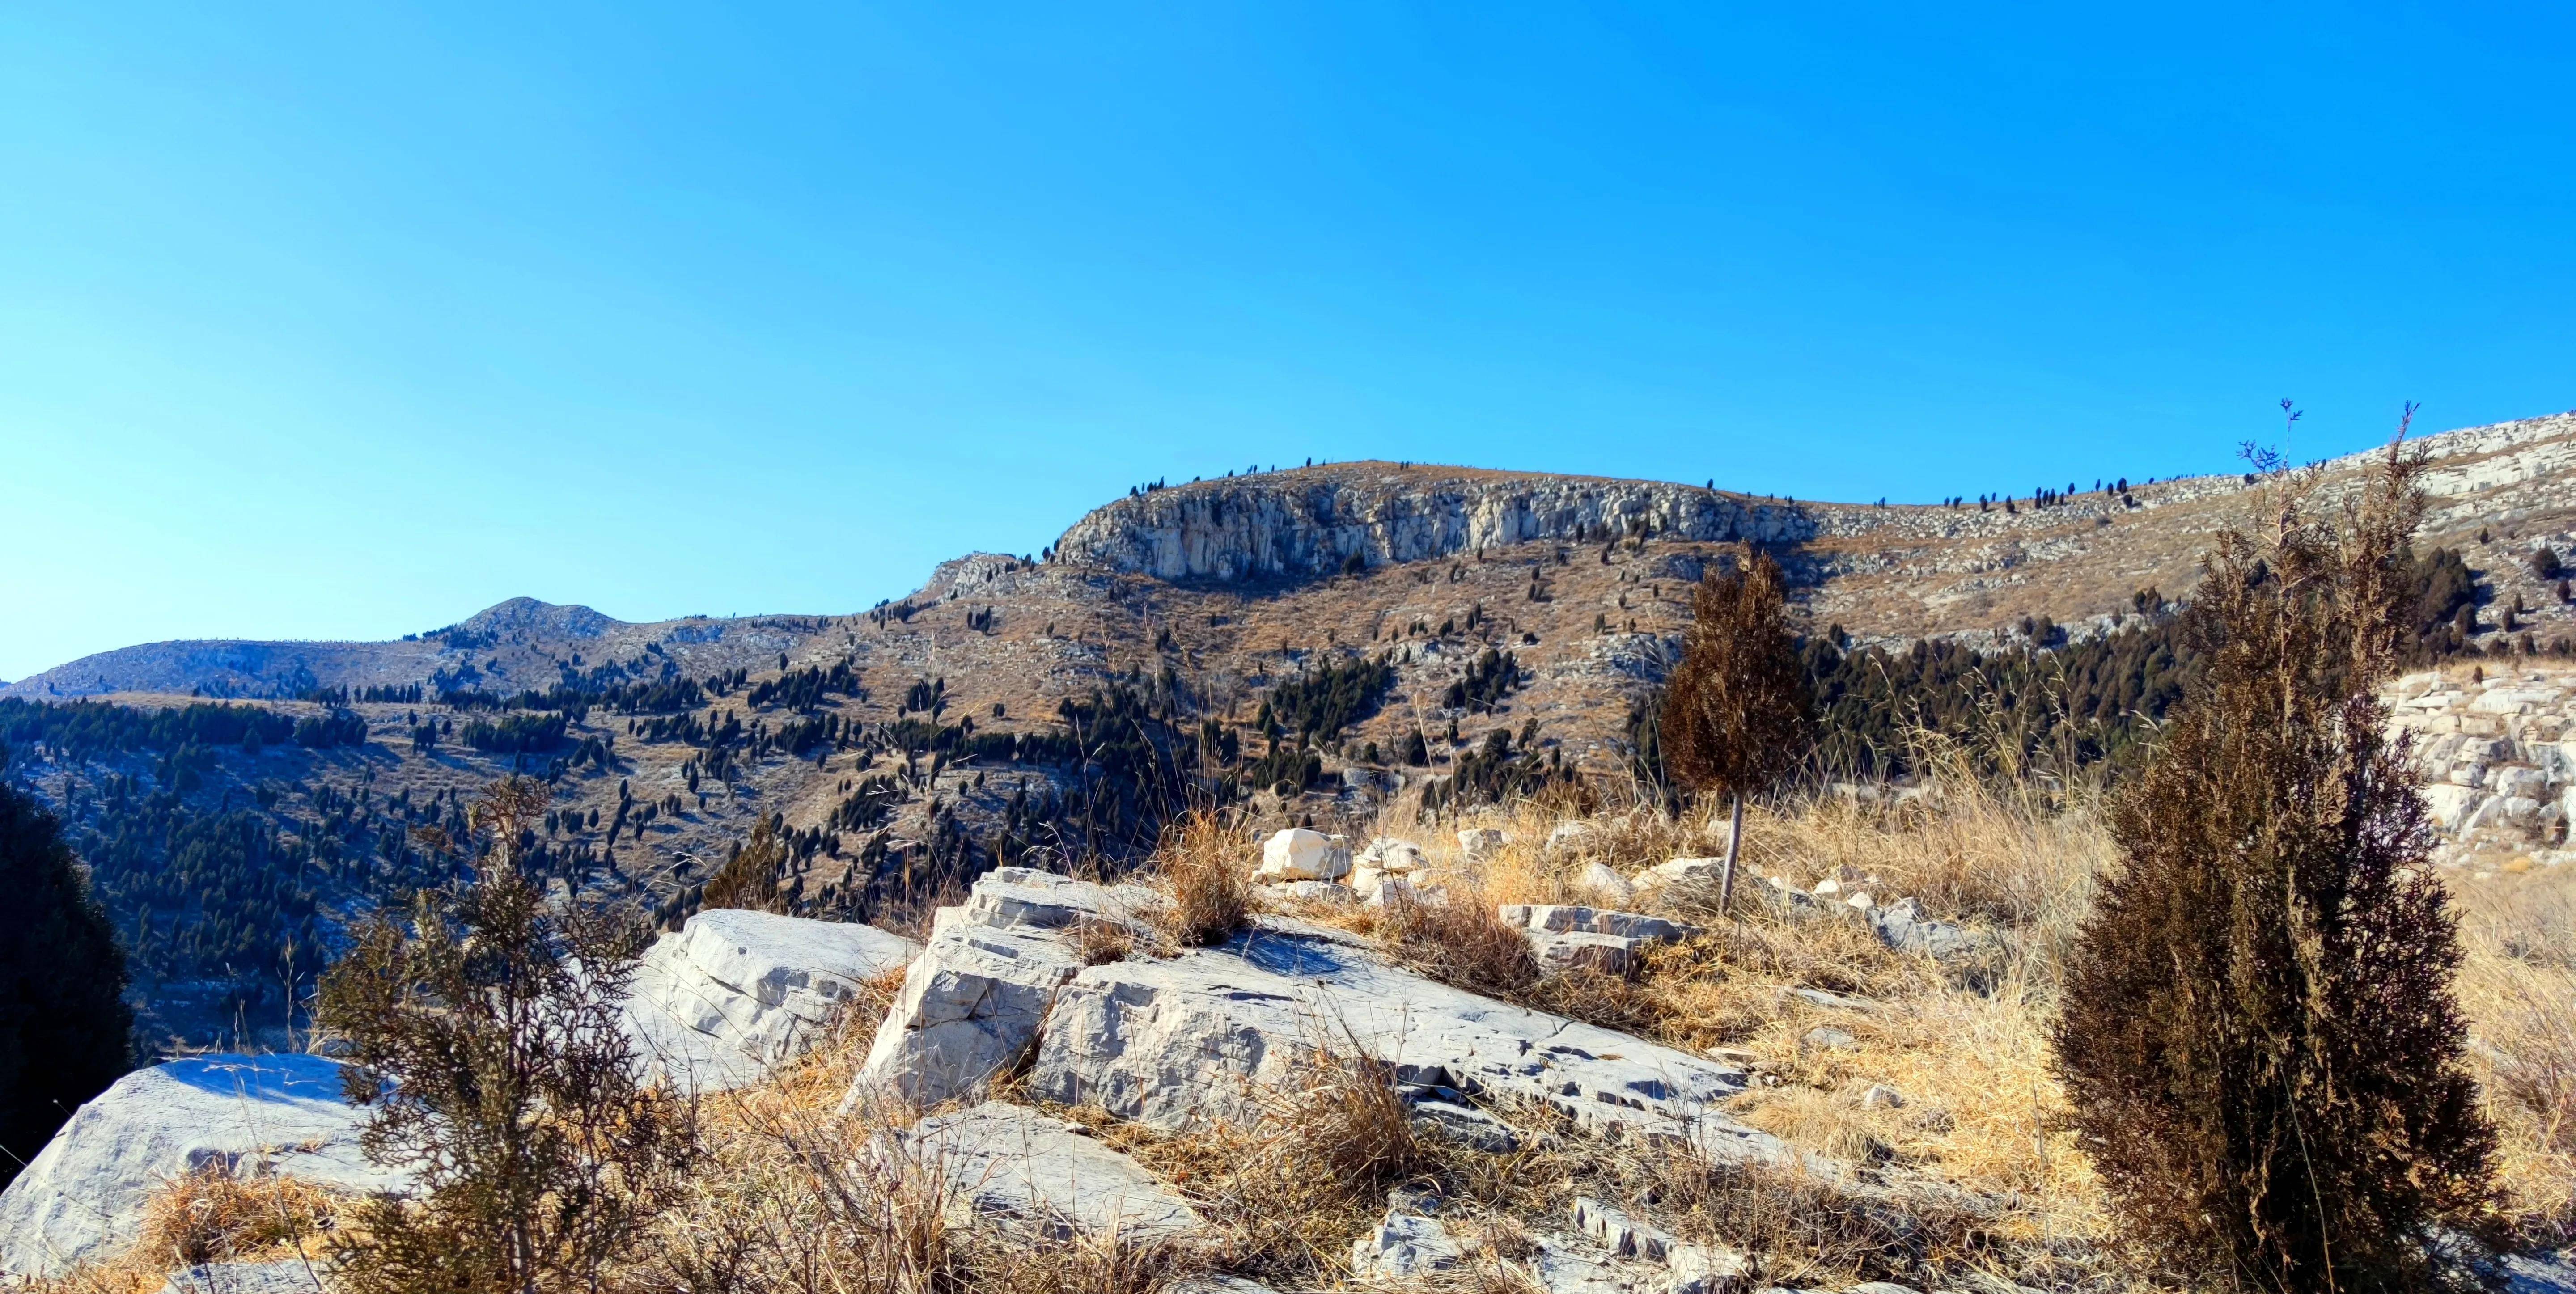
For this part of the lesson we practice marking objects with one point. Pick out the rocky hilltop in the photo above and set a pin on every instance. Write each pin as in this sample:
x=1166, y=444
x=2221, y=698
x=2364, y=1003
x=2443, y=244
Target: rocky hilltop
x=1337, y=519
x=518, y=644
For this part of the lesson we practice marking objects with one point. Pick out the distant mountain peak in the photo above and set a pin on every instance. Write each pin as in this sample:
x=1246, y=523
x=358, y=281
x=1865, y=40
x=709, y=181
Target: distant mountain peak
x=525, y=614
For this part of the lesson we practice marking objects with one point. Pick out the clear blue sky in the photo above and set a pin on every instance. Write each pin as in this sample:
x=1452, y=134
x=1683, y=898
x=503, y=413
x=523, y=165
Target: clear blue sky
x=348, y=320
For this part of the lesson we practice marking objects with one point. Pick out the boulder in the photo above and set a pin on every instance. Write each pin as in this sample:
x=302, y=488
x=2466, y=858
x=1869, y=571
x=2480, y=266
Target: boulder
x=1606, y=883
x=82, y=1196
x=1481, y=843
x=1571, y=838
x=1653, y=883
x=1016, y=1167
x=1388, y=854
x=1298, y=854
x=973, y=1000
x=1176, y=1041
x=734, y=994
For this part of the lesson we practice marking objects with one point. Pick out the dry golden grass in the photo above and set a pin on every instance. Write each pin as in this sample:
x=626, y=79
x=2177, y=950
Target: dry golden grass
x=211, y=1215
x=1206, y=875
x=2518, y=986
x=1977, y=1104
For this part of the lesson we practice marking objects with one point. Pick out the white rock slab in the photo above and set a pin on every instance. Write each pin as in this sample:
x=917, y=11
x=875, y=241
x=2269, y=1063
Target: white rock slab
x=972, y=1002
x=83, y=1195
x=734, y=994
x=1299, y=854
x=1013, y=1165
x=1171, y=1042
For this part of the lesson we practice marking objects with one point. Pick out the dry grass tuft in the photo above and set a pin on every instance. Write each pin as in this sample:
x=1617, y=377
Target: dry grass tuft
x=1098, y=943
x=1205, y=880
x=2517, y=985
x=1455, y=937
x=1291, y=1189
x=211, y=1215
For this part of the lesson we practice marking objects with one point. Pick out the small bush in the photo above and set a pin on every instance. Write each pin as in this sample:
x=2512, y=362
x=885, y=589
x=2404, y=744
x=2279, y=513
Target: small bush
x=2260, y=1037
x=749, y=879
x=1208, y=889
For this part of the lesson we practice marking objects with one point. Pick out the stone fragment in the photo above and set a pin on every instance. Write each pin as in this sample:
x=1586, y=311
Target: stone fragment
x=1481, y=843
x=1706, y=1269
x=1902, y=926
x=1655, y=882
x=1564, y=917
x=1388, y=854
x=1571, y=837
x=1607, y=883
x=1404, y=1246
x=1825, y=1037
x=1015, y=1166
x=1569, y=950
x=1879, y=1096
x=1215, y=1284
x=82, y=1197
x=733, y=994
x=1385, y=888
x=1316, y=891
x=1466, y=1125
x=1299, y=854
x=1830, y=1000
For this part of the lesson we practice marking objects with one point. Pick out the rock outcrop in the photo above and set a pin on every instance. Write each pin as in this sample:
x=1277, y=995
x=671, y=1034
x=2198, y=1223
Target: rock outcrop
x=1015, y=1167
x=2498, y=756
x=1308, y=524
x=82, y=1197
x=1170, y=1042
x=973, y=1001
x=733, y=994
x=1565, y=936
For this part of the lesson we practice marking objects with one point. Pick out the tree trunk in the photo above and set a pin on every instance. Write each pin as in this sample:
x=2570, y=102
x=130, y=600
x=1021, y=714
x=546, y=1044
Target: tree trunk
x=1726, y=874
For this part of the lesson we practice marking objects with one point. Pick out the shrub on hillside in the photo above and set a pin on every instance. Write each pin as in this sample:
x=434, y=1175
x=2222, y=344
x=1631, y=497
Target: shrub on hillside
x=749, y=879
x=484, y=1030
x=1737, y=713
x=2259, y=1038
x=63, y=1018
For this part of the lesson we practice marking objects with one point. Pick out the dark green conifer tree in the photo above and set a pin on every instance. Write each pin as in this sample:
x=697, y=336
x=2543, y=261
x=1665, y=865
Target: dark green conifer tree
x=64, y=1024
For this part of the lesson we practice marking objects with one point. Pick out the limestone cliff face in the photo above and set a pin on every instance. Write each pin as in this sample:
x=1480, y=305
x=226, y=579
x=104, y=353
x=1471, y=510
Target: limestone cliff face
x=2498, y=755
x=1313, y=521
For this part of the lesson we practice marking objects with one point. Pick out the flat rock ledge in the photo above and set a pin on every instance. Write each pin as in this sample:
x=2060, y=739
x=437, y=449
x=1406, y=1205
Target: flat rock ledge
x=1172, y=1042
x=83, y=1195
x=1014, y=1166
x=734, y=994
